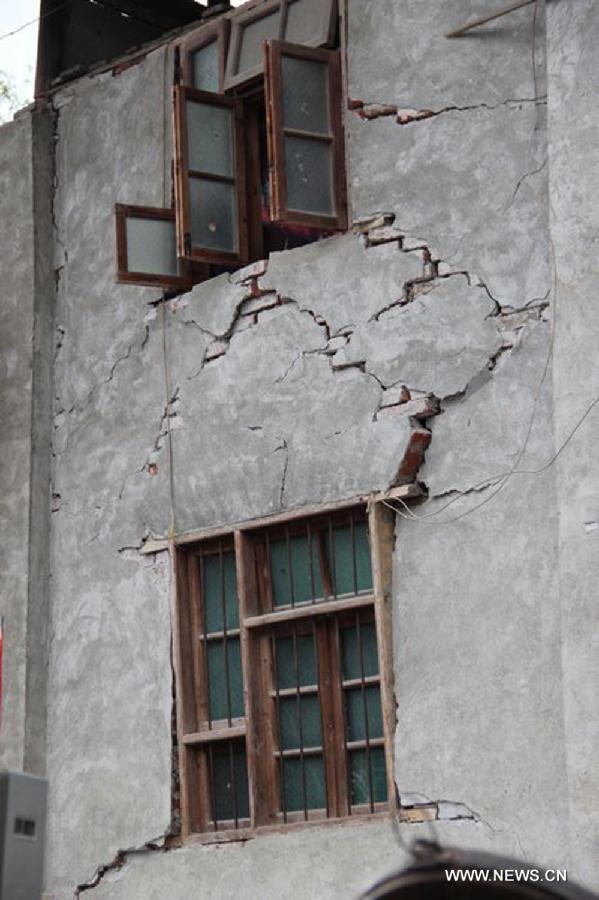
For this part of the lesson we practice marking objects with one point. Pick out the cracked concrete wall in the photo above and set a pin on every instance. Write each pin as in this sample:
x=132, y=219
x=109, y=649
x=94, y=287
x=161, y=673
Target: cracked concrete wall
x=16, y=337
x=327, y=371
x=573, y=31
x=26, y=327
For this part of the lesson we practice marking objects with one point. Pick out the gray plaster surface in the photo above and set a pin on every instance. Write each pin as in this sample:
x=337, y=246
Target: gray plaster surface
x=437, y=343
x=573, y=30
x=256, y=393
x=480, y=715
x=16, y=362
x=327, y=863
x=471, y=184
x=399, y=54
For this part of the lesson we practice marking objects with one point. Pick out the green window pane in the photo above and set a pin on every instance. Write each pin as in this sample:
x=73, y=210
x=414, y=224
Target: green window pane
x=305, y=95
x=350, y=651
x=360, y=776
x=217, y=675
x=213, y=215
x=356, y=707
x=306, y=661
x=210, y=138
x=219, y=576
x=305, y=581
x=151, y=246
x=352, y=577
x=316, y=797
x=309, y=175
x=309, y=708
x=205, y=68
x=230, y=787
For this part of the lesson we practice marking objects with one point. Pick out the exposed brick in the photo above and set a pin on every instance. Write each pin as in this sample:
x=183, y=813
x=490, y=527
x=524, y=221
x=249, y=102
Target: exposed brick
x=254, y=270
x=413, y=457
x=383, y=234
x=421, y=408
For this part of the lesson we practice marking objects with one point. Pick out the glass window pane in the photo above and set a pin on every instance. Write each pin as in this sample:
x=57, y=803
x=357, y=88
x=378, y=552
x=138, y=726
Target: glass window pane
x=348, y=581
x=205, y=68
x=309, y=175
x=251, y=39
x=217, y=675
x=356, y=705
x=210, y=138
x=219, y=574
x=308, y=22
x=306, y=660
x=305, y=95
x=309, y=708
x=230, y=773
x=151, y=246
x=305, y=570
x=213, y=215
x=361, y=775
x=350, y=651
x=316, y=797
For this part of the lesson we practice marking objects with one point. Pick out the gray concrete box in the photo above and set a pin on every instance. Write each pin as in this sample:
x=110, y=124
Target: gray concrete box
x=22, y=830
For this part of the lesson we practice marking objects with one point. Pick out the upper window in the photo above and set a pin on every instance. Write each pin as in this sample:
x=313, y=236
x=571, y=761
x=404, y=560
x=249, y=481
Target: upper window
x=259, y=155
x=280, y=687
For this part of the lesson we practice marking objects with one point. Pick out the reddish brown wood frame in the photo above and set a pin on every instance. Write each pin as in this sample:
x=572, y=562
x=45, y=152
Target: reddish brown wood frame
x=124, y=275
x=251, y=13
x=239, y=23
x=258, y=624
x=186, y=249
x=214, y=31
x=280, y=212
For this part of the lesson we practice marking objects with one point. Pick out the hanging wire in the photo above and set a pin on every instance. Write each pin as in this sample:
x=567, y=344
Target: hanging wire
x=33, y=21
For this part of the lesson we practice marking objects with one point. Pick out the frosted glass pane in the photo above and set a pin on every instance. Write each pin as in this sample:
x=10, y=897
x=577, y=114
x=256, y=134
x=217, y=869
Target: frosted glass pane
x=348, y=581
x=293, y=784
x=205, y=68
x=230, y=787
x=252, y=36
x=350, y=651
x=357, y=706
x=219, y=688
x=210, y=138
x=287, y=677
x=361, y=775
x=305, y=570
x=151, y=246
x=310, y=734
x=308, y=22
x=220, y=589
x=309, y=175
x=305, y=95
x=213, y=215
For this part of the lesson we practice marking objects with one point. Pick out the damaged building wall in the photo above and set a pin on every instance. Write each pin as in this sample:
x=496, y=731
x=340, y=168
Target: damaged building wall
x=573, y=31
x=318, y=376
x=26, y=361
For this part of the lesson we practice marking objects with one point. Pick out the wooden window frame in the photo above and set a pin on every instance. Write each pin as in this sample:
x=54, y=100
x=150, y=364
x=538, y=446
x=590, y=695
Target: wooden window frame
x=183, y=93
x=276, y=132
x=214, y=32
x=124, y=211
x=253, y=13
x=257, y=728
x=238, y=22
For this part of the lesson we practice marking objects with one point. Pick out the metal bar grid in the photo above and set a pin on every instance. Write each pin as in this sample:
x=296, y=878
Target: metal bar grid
x=278, y=722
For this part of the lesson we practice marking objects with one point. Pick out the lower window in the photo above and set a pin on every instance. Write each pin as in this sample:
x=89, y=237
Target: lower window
x=281, y=690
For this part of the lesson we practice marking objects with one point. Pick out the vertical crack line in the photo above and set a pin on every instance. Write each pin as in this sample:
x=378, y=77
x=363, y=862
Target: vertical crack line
x=169, y=434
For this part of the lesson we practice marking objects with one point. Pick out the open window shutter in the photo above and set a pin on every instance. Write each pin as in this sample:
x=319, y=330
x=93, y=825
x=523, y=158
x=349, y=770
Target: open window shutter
x=305, y=136
x=209, y=178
